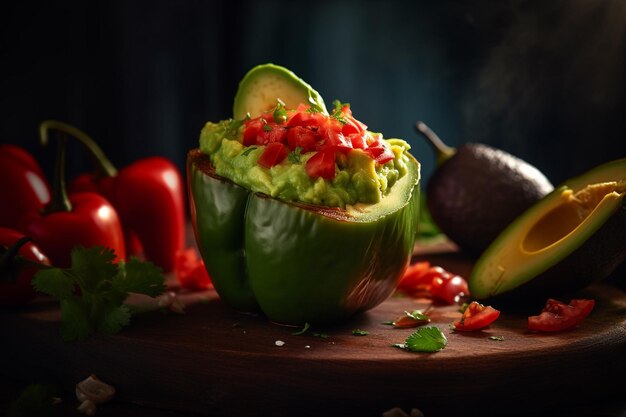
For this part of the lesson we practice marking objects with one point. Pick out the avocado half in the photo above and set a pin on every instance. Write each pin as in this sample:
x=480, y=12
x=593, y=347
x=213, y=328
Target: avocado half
x=300, y=263
x=264, y=84
x=571, y=237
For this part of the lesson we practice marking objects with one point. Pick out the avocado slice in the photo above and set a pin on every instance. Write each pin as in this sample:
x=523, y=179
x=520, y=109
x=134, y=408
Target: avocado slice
x=300, y=263
x=262, y=87
x=477, y=190
x=573, y=236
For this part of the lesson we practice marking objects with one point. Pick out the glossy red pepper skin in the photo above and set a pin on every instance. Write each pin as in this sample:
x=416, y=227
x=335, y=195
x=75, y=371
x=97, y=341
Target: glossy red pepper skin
x=92, y=221
x=150, y=199
x=23, y=185
x=16, y=275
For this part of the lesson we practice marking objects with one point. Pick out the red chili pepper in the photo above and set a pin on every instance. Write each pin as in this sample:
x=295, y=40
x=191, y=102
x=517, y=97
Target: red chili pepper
x=20, y=259
x=85, y=219
x=148, y=195
x=23, y=185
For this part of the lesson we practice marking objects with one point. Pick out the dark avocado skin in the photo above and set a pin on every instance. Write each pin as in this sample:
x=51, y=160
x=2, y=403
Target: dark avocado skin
x=594, y=260
x=479, y=191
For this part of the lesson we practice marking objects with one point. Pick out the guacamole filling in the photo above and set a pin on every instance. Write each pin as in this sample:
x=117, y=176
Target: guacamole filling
x=305, y=156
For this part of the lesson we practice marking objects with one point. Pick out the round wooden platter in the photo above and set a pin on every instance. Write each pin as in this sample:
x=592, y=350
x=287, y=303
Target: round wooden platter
x=216, y=361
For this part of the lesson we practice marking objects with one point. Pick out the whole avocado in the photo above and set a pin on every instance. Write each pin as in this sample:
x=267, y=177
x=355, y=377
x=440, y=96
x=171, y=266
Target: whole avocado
x=477, y=190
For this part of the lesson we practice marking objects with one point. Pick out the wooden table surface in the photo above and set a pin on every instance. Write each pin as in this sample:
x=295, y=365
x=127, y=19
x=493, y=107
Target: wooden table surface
x=215, y=361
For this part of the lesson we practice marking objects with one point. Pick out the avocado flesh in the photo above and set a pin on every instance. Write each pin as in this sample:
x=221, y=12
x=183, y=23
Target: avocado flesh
x=570, y=238
x=262, y=87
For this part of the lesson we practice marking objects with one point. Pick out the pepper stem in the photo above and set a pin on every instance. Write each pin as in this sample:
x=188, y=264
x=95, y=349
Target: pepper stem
x=105, y=167
x=9, y=257
x=59, y=201
x=443, y=152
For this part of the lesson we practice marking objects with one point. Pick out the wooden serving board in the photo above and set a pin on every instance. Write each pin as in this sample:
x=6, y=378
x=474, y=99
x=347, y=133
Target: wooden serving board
x=216, y=361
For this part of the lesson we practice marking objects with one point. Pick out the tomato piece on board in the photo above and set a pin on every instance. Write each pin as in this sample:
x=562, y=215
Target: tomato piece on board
x=449, y=288
x=274, y=153
x=557, y=315
x=476, y=316
x=413, y=278
x=322, y=164
x=190, y=270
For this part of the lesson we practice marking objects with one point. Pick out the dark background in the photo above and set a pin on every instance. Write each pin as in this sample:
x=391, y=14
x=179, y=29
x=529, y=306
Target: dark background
x=544, y=80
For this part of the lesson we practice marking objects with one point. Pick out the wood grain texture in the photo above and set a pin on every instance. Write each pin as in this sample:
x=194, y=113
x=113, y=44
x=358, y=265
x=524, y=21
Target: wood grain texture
x=215, y=361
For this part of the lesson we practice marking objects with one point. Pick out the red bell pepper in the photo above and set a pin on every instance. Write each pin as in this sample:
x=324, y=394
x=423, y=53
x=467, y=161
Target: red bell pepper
x=148, y=194
x=85, y=219
x=20, y=259
x=23, y=185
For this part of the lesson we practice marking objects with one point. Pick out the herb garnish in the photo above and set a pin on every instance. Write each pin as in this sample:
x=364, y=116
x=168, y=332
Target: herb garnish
x=425, y=339
x=359, y=332
x=338, y=111
x=247, y=151
x=497, y=338
x=302, y=331
x=92, y=292
x=294, y=156
x=280, y=113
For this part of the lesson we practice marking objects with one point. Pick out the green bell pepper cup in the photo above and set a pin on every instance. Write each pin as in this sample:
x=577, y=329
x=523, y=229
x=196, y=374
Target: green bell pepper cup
x=300, y=263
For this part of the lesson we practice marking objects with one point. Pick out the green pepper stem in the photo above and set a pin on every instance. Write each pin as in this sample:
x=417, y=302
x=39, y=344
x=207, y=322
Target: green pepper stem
x=10, y=258
x=59, y=201
x=443, y=152
x=105, y=167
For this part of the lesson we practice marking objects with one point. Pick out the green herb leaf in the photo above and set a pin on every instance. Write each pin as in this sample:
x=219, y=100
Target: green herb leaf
x=294, y=156
x=388, y=323
x=54, y=282
x=426, y=339
x=497, y=338
x=247, y=151
x=359, y=332
x=104, y=286
x=267, y=128
x=301, y=331
x=417, y=315
x=321, y=335
x=139, y=278
x=36, y=400
x=280, y=114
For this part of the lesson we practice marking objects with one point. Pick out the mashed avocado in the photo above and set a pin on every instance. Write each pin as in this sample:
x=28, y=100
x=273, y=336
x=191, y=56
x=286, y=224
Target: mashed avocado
x=358, y=179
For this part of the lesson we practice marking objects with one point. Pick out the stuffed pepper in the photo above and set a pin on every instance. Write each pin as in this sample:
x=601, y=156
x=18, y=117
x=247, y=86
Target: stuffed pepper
x=299, y=212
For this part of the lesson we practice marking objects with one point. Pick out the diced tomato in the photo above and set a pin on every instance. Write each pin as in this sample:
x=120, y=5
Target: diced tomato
x=380, y=152
x=274, y=153
x=251, y=132
x=557, y=316
x=322, y=164
x=449, y=288
x=336, y=141
x=357, y=140
x=272, y=134
x=298, y=119
x=476, y=316
x=415, y=280
x=190, y=271
x=303, y=137
x=422, y=279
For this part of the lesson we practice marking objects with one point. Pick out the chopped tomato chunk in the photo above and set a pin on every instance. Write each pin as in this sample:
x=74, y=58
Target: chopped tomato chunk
x=422, y=279
x=557, y=315
x=273, y=154
x=476, y=316
x=322, y=164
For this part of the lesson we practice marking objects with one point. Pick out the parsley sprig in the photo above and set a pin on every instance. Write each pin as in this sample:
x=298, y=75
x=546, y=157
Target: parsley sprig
x=92, y=292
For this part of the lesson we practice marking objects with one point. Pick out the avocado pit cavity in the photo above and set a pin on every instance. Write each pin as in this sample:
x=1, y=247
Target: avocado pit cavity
x=573, y=209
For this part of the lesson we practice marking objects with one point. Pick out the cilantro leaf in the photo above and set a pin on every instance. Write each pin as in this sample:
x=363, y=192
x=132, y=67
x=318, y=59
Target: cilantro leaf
x=36, y=400
x=75, y=324
x=104, y=286
x=426, y=339
x=497, y=338
x=139, y=277
x=359, y=332
x=294, y=156
x=114, y=319
x=280, y=113
x=303, y=330
x=54, y=282
x=417, y=315
x=92, y=266
x=247, y=151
